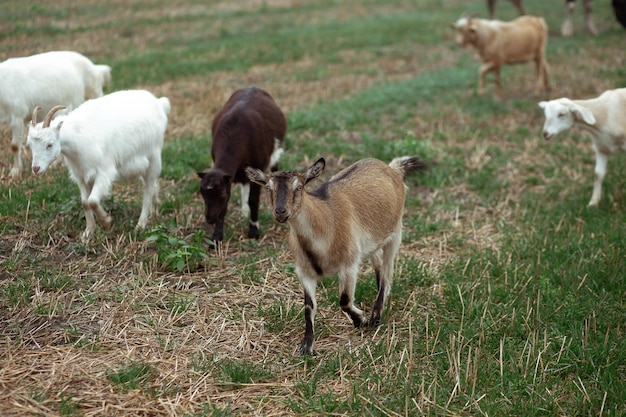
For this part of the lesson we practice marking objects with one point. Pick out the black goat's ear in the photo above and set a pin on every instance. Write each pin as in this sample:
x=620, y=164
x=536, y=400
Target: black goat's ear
x=201, y=174
x=315, y=170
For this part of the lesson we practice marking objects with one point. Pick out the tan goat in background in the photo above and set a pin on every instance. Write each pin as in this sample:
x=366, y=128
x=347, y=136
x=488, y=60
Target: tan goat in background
x=501, y=43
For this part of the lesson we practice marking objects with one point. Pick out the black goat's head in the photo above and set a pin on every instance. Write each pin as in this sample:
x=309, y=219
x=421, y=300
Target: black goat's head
x=215, y=189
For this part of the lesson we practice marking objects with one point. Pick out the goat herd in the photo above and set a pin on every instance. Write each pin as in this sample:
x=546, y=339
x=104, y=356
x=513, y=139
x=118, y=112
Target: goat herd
x=102, y=138
x=333, y=228
x=524, y=39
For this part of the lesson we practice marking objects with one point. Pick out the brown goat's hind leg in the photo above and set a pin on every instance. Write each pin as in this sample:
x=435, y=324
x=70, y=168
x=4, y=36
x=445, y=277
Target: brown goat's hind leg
x=347, y=287
x=383, y=266
x=546, y=76
x=379, y=304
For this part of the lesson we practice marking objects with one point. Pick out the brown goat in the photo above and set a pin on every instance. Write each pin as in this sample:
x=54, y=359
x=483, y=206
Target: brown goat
x=354, y=216
x=247, y=132
x=501, y=43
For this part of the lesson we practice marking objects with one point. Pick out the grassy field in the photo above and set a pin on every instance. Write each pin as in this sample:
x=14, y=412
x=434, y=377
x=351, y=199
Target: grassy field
x=509, y=296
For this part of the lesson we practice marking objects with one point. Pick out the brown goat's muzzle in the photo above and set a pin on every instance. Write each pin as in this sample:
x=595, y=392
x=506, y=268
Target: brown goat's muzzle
x=281, y=215
x=281, y=218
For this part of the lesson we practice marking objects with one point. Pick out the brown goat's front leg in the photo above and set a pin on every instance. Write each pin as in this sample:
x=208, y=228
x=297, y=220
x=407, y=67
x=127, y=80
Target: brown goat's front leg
x=253, y=203
x=482, y=75
x=309, y=285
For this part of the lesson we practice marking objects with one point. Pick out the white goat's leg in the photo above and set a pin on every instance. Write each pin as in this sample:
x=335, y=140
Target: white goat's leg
x=347, y=286
x=383, y=266
x=600, y=171
x=150, y=194
x=89, y=219
x=309, y=286
x=101, y=188
x=17, y=142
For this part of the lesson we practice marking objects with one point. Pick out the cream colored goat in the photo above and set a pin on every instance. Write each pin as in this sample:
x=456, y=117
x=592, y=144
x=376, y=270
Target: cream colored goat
x=604, y=117
x=354, y=216
x=502, y=43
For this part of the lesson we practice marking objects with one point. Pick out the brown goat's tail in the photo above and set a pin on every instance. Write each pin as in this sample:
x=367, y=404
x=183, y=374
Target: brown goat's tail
x=406, y=164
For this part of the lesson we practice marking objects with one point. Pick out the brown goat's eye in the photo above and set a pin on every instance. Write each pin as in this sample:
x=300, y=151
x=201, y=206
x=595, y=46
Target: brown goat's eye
x=49, y=146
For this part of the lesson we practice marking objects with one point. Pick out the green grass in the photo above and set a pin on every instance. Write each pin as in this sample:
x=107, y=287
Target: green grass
x=130, y=376
x=509, y=294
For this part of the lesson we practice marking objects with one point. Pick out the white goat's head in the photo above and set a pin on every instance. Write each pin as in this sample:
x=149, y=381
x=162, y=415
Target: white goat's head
x=285, y=188
x=43, y=140
x=561, y=114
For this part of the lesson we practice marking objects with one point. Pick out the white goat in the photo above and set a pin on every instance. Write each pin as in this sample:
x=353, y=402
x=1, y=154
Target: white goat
x=117, y=135
x=604, y=117
x=355, y=215
x=47, y=79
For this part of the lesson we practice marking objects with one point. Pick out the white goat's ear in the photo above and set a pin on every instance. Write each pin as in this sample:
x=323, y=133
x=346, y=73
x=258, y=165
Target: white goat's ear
x=543, y=104
x=59, y=125
x=315, y=170
x=256, y=176
x=584, y=114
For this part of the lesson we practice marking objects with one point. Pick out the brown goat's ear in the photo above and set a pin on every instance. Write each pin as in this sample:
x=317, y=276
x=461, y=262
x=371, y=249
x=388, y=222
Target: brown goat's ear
x=256, y=176
x=315, y=170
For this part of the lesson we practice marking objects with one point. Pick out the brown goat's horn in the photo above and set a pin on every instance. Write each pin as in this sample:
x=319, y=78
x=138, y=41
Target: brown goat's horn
x=34, y=118
x=46, y=121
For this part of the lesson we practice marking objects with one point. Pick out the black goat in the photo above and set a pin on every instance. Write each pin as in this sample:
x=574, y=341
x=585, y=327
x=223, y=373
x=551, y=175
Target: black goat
x=247, y=132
